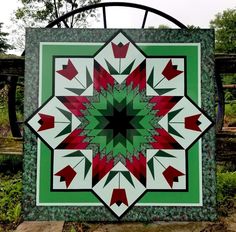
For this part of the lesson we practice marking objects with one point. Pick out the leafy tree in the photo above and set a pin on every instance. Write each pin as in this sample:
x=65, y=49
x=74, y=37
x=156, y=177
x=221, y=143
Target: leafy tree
x=38, y=13
x=192, y=27
x=225, y=31
x=163, y=26
x=46, y=11
x=4, y=46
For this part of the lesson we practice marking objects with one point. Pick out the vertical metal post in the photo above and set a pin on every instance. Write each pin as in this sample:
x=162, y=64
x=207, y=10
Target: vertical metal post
x=104, y=17
x=221, y=101
x=144, y=19
x=15, y=130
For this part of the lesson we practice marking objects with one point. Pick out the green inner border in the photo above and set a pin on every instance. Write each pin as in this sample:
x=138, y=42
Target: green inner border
x=46, y=196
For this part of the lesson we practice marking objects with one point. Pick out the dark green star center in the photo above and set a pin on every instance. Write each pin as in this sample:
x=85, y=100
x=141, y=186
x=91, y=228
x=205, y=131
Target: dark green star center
x=120, y=122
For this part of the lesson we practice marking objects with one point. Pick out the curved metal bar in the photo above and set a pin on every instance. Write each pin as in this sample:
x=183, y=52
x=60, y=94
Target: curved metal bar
x=221, y=102
x=103, y=6
x=123, y=4
x=15, y=129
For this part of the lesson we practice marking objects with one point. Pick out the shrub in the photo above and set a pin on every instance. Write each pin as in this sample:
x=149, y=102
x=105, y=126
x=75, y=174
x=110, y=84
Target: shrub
x=10, y=198
x=226, y=191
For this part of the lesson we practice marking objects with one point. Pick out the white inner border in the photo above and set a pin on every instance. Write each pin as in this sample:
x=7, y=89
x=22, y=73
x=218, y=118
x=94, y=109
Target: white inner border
x=38, y=203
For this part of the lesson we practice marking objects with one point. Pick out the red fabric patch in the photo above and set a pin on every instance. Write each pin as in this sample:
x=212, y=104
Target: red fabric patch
x=46, y=122
x=192, y=122
x=119, y=50
x=69, y=71
x=67, y=174
x=171, y=175
x=118, y=197
x=170, y=71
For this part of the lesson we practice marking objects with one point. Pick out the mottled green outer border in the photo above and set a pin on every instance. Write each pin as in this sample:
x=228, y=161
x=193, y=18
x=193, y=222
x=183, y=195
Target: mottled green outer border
x=138, y=213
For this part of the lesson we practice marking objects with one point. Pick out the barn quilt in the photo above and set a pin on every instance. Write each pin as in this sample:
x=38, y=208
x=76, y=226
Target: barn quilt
x=119, y=124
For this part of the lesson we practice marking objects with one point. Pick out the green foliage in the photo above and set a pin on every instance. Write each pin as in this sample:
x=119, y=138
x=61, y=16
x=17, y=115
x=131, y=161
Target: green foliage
x=38, y=13
x=4, y=120
x=230, y=114
x=192, y=27
x=10, y=198
x=162, y=26
x=226, y=191
x=4, y=46
x=46, y=11
x=10, y=164
x=8, y=56
x=230, y=94
x=229, y=79
x=20, y=99
x=225, y=29
x=72, y=229
x=226, y=185
x=230, y=110
x=230, y=98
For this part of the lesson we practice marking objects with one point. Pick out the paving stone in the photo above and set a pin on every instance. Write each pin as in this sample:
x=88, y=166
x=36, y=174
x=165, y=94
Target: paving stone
x=232, y=227
x=231, y=222
x=40, y=226
x=153, y=227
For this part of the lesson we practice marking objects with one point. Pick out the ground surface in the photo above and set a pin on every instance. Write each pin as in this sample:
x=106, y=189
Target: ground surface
x=11, y=146
x=224, y=224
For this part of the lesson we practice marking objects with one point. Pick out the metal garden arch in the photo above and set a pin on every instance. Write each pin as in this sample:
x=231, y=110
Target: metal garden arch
x=12, y=110
x=104, y=6
x=112, y=4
